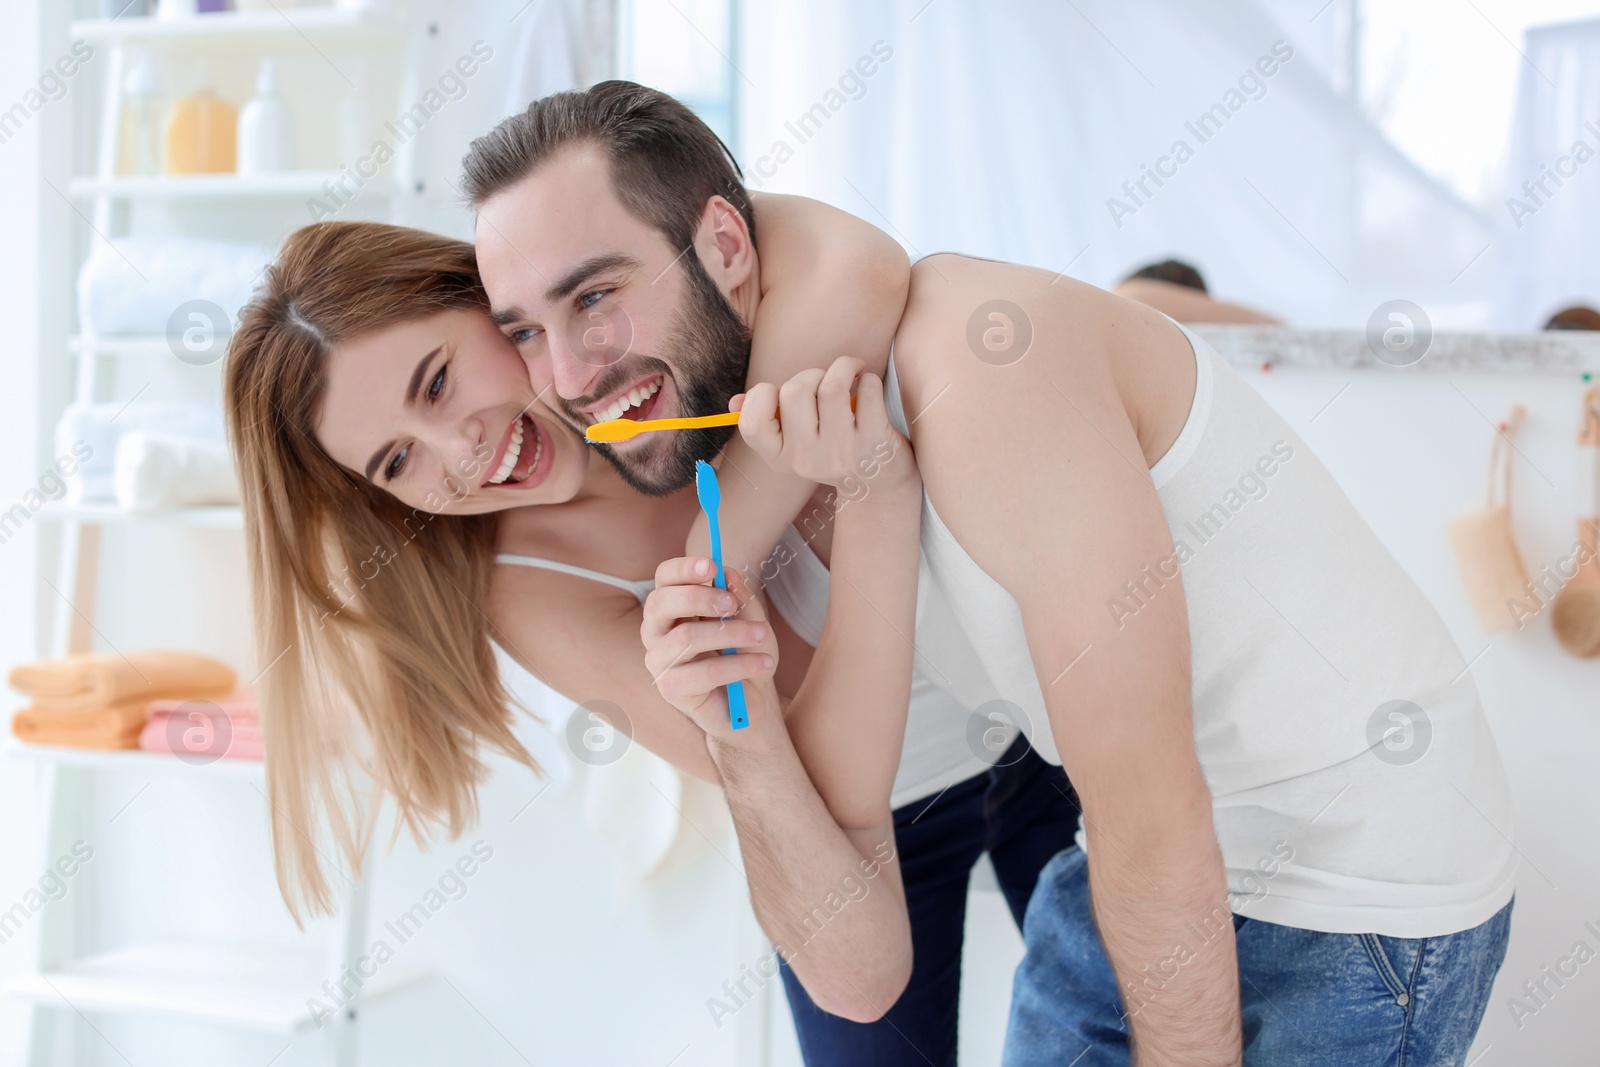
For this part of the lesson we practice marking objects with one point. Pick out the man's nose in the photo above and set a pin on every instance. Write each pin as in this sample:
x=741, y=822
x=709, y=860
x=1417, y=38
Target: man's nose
x=573, y=369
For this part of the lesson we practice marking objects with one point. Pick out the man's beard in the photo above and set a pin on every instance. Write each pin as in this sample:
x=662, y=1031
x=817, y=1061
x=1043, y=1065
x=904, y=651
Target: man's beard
x=708, y=350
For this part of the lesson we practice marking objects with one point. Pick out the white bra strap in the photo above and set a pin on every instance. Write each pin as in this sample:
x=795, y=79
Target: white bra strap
x=638, y=587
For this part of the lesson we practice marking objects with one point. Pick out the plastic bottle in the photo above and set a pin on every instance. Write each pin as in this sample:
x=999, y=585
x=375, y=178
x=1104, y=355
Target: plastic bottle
x=200, y=135
x=266, y=128
x=139, y=138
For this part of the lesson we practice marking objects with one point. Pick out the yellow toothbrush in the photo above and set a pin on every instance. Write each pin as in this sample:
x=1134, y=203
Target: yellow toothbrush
x=626, y=429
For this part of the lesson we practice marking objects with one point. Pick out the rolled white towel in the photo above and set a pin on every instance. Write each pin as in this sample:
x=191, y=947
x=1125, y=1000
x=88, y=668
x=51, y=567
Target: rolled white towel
x=156, y=470
x=101, y=425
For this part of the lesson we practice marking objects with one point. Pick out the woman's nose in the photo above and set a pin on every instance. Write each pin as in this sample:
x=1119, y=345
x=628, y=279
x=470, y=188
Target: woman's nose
x=470, y=449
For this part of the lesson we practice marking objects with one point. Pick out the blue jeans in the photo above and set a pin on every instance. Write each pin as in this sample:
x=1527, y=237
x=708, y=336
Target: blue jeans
x=1306, y=997
x=1023, y=811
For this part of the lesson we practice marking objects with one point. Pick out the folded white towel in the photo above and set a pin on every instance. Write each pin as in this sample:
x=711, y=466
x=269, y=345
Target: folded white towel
x=157, y=470
x=133, y=285
x=94, y=481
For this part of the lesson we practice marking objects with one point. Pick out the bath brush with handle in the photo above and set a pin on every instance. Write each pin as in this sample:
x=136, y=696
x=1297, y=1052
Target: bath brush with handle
x=1575, y=615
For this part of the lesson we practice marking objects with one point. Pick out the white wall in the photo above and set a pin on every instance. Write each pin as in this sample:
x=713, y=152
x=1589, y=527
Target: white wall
x=1411, y=450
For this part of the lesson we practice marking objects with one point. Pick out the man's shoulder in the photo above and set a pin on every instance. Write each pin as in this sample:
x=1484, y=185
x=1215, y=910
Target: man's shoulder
x=949, y=286
x=957, y=268
x=960, y=306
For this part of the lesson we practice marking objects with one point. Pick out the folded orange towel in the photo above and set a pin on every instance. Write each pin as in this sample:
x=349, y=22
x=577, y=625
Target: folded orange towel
x=115, y=726
x=94, y=680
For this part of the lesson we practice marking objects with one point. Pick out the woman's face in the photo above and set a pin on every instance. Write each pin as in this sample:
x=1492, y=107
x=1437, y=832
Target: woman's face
x=440, y=413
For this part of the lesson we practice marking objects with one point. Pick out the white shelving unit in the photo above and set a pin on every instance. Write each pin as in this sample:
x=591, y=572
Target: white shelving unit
x=291, y=184
x=255, y=986
x=248, y=29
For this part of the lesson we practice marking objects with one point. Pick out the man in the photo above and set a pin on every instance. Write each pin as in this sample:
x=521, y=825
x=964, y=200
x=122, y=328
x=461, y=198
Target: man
x=1176, y=288
x=1283, y=765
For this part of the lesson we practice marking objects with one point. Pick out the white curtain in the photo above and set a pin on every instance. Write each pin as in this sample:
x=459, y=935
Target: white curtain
x=1553, y=230
x=532, y=49
x=1007, y=128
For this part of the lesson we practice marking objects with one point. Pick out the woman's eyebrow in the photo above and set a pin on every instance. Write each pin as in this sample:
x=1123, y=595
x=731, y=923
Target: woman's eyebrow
x=410, y=398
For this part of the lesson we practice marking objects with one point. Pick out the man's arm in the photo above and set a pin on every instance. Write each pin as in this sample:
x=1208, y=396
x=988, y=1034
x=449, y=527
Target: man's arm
x=1053, y=499
x=831, y=285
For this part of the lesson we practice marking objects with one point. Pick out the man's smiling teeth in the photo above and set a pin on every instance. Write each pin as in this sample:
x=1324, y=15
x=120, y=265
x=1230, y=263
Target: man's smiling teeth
x=514, y=452
x=632, y=399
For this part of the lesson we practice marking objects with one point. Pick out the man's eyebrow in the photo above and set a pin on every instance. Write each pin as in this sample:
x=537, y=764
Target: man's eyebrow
x=411, y=395
x=586, y=270
x=569, y=283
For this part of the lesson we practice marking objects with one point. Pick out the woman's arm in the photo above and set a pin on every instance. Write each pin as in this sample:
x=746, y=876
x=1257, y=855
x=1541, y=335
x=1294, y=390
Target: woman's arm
x=831, y=285
x=582, y=640
x=809, y=791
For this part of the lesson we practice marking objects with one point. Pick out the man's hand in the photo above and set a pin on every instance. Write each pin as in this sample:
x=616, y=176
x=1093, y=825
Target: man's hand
x=687, y=624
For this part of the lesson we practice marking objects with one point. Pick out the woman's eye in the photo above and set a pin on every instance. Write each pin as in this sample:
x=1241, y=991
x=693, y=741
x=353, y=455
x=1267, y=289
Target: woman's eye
x=435, y=386
x=396, y=465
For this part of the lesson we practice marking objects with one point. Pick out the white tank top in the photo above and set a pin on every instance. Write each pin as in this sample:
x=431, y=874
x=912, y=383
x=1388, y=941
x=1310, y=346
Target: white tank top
x=1304, y=631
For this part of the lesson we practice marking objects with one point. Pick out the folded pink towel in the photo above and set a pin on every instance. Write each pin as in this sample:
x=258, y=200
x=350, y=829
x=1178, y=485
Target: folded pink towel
x=204, y=730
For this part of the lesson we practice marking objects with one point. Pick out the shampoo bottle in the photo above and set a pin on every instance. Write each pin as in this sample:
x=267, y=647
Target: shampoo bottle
x=266, y=129
x=200, y=133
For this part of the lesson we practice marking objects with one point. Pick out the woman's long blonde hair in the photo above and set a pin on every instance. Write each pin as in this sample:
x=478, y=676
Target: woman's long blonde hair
x=366, y=611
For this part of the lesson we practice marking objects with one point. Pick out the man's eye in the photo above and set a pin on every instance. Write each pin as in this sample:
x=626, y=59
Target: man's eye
x=522, y=334
x=590, y=299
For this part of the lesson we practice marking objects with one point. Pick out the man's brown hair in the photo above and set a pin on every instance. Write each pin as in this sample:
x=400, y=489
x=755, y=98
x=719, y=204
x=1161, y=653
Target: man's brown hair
x=665, y=162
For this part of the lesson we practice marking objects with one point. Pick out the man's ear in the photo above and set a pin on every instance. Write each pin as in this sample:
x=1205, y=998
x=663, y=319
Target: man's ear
x=725, y=247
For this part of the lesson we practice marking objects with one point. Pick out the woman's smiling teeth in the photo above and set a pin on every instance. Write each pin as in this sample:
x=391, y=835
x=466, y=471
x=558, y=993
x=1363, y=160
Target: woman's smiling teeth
x=629, y=400
x=514, y=453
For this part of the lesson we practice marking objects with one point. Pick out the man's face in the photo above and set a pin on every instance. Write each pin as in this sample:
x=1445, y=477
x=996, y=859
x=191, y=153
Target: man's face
x=609, y=316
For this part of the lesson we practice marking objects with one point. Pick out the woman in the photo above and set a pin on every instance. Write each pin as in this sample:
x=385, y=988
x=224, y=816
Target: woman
x=375, y=583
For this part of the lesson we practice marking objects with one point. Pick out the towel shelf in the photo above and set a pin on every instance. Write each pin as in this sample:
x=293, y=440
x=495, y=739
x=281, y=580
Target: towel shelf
x=262, y=987
x=136, y=760
x=292, y=27
x=221, y=518
x=291, y=184
x=119, y=345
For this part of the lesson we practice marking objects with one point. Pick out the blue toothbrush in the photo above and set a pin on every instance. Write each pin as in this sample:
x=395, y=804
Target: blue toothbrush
x=705, y=485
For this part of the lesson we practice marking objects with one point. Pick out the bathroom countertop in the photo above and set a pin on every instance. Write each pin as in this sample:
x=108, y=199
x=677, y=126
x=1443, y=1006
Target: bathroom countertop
x=1553, y=351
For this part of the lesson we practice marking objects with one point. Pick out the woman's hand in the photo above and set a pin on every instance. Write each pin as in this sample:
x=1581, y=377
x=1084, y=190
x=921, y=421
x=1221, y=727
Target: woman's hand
x=687, y=623
x=820, y=438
